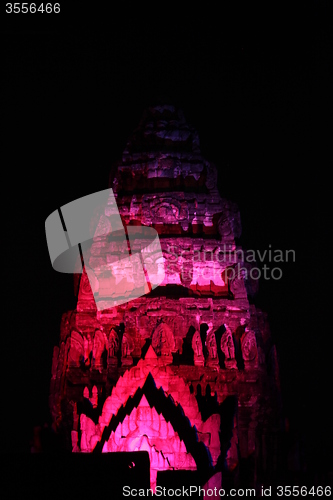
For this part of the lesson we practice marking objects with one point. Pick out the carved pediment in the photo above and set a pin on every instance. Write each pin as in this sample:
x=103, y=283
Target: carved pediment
x=168, y=210
x=249, y=346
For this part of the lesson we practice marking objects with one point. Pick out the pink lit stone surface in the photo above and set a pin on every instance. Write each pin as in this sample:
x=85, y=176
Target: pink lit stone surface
x=193, y=340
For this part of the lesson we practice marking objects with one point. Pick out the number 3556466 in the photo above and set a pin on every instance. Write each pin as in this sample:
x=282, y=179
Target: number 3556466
x=25, y=8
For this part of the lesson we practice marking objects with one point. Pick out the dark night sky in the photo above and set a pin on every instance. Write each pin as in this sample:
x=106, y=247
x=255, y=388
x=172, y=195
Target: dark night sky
x=255, y=86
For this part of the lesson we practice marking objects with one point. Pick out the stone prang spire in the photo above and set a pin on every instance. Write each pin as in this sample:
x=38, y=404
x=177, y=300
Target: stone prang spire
x=195, y=338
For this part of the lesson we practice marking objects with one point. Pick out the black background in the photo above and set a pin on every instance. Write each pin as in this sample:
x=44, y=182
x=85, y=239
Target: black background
x=254, y=82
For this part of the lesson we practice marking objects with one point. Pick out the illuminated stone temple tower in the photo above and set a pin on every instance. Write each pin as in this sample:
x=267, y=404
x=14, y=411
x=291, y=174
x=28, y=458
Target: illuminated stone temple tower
x=187, y=371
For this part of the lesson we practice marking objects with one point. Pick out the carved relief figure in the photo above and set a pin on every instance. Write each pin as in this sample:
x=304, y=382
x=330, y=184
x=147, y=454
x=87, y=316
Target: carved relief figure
x=124, y=347
x=249, y=345
x=228, y=349
x=127, y=347
x=113, y=344
x=198, y=358
x=163, y=341
x=197, y=344
x=167, y=209
x=211, y=345
x=227, y=344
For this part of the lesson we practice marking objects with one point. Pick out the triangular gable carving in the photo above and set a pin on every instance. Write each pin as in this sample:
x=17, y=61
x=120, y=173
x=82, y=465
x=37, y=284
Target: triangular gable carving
x=163, y=376
x=145, y=429
x=144, y=420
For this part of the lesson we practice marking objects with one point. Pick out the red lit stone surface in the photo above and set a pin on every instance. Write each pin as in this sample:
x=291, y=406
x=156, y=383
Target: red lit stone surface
x=157, y=373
